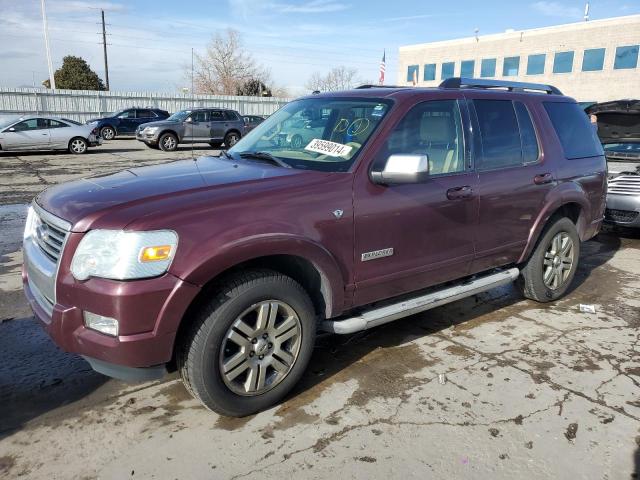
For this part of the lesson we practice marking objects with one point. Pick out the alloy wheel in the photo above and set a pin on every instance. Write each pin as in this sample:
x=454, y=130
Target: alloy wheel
x=78, y=146
x=169, y=142
x=558, y=261
x=260, y=348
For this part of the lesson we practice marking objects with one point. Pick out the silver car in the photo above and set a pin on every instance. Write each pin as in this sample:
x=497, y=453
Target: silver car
x=46, y=133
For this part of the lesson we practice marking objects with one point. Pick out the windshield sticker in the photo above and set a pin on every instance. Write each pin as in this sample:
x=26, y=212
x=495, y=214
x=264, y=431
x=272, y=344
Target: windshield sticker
x=332, y=149
x=378, y=110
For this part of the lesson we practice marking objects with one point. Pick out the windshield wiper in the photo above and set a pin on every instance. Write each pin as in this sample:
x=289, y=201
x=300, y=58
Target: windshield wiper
x=224, y=153
x=265, y=156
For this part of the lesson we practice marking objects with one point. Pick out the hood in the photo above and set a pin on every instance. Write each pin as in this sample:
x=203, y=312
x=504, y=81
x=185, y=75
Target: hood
x=618, y=121
x=82, y=202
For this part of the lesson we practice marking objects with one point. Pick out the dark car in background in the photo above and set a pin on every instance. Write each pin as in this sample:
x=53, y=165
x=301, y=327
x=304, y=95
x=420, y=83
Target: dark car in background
x=214, y=126
x=619, y=131
x=251, y=122
x=125, y=122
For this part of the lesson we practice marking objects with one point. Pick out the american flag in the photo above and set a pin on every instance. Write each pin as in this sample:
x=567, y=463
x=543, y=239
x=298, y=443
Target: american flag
x=383, y=67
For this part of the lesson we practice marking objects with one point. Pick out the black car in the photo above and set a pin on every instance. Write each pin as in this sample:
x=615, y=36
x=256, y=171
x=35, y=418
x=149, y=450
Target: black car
x=125, y=122
x=251, y=122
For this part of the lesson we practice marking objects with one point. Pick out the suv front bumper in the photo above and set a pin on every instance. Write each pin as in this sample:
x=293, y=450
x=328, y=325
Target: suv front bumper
x=623, y=210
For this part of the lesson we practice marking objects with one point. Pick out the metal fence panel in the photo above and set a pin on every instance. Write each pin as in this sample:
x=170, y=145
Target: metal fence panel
x=81, y=105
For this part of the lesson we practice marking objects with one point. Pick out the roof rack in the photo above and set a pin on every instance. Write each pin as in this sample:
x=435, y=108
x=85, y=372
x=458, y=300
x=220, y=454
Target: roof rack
x=457, y=82
x=379, y=86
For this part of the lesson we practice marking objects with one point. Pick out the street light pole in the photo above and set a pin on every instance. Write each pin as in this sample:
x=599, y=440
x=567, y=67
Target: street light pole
x=104, y=46
x=52, y=80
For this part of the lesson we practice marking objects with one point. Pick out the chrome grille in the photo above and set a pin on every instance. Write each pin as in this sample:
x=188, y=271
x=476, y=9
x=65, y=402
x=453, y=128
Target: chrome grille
x=625, y=185
x=49, y=237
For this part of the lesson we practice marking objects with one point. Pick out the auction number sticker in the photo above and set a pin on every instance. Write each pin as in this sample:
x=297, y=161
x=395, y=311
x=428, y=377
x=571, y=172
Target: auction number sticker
x=326, y=147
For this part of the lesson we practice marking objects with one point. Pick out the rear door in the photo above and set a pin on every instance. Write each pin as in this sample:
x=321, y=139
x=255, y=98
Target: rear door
x=514, y=177
x=145, y=115
x=219, y=125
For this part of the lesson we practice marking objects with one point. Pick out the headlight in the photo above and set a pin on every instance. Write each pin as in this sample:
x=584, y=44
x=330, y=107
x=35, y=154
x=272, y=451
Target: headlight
x=121, y=255
x=151, y=129
x=30, y=224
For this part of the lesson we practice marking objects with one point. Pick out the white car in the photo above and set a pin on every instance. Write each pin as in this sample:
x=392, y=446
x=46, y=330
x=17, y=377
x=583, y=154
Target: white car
x=46, y=133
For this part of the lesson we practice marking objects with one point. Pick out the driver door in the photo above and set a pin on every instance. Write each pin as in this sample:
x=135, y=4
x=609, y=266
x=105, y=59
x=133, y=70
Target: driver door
x=412, y=236
x=26, y=135
x=197, y=130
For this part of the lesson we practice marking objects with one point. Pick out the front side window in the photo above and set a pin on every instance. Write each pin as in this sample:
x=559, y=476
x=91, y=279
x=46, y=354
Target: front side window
x=430, y=128
x=488, y=68
x=315, y=133
x=429, y=72
x=448, y=70
x=563, y=62
x=31, y=124
x=576, y=134
x=626, y=57
x=200, y=116
x=593, y=60
x=500, y=144
x=412, y=73
x=535, y=64
x=511, y=66
x=466, y=68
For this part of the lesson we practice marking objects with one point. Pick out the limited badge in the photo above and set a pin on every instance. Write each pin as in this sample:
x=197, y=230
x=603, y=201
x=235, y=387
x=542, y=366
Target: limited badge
x=385, y=252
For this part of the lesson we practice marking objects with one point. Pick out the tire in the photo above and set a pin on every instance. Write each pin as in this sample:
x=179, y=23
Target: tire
x=78, y=146
x=211, y=343
x=108, y=132
x=546, y=276
x=231, y=138
x=296, y=141
x=168, y=142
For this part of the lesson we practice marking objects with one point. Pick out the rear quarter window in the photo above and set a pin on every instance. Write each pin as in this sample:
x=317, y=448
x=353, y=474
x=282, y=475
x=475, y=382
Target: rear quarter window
x=576, y=134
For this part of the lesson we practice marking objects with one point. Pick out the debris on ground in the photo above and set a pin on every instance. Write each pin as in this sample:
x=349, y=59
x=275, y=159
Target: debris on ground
x=584, y=308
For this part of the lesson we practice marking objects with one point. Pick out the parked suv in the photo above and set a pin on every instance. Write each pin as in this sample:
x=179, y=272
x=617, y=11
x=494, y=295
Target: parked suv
x=125, y=122
x=225, y=267
x=619, y=130
x=201, y=125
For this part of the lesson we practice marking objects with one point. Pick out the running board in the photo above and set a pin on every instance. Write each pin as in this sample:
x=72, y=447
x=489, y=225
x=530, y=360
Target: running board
x=389, y=313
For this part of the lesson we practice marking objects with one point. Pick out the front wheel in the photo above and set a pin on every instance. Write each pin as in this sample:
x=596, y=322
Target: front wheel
x=250, y=345
x=549, y=271
x=108, y=133
x=78, y=146
x=168, y=142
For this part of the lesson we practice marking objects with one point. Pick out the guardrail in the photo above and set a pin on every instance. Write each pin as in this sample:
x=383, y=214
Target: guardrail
x=82, y=105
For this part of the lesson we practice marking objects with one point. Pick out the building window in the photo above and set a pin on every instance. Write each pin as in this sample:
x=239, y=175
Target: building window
x=429, y=72
x=466, y=68
x=412, y=73
x=511, y=66
x=563, y=62
x=626, y=57
x=535, y=64
x=488, y=67
x=593, y=60
x=447, y=70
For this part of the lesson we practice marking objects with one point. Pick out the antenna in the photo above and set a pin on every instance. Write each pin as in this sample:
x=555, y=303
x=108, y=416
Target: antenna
x=477, y=31
x=586, y=12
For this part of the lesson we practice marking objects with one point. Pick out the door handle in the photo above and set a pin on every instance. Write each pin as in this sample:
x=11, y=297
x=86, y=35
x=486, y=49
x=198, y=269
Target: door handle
x=459, y=192
x=543, y=178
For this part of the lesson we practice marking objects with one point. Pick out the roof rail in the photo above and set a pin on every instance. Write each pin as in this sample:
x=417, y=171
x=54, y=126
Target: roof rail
x=380, y=86
x=457, y=82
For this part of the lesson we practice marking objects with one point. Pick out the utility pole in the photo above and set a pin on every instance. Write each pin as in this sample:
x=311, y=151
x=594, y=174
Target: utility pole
x=52, y=80
x=104, y=47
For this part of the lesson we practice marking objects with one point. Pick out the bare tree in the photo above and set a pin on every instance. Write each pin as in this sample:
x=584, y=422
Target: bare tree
x=225, y=66
x=338, y=78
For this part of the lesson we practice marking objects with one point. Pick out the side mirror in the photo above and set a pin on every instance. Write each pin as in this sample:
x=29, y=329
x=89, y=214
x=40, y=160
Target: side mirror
x=11, y=129
x=400, y=169
x=189, y=120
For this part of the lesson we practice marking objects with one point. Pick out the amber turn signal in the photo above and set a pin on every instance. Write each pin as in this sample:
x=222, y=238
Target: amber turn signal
x=152, y=254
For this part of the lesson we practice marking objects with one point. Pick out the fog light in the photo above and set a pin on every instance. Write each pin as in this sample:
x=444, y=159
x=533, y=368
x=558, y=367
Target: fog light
x=106, y=325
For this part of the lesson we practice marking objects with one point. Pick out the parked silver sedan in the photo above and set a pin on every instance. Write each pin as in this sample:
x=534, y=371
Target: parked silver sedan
x=46, y=133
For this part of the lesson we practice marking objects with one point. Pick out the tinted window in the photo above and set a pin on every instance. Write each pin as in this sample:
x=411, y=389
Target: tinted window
x=430, y=128
x=577, y=136
x=528, y=137
x=412, y=73
x=31, y=124
x=145, y=114
x=217, y=116
x=231, y=115
x=430, y=72
x=563, y=62
x=127, y=114
x=57, y=124
x=488, y=67
x=73, y=122
x=201, y=116
x=499, y=133
x=511, y=66
x=626, y=57
x=593, y=60
x=535, y=64
x=448, y=69
x=466, y=68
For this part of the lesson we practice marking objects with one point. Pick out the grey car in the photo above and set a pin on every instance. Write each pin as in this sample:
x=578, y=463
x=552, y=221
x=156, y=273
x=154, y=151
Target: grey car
x=46, y=133
x=619, y=131
x=214, y=126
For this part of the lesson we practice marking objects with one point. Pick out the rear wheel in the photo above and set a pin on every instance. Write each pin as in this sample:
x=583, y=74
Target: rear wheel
x=231, y=138
x=108, y=133
x=250, y=345
x=78, y=146
x=549, y=271
x=168, y=142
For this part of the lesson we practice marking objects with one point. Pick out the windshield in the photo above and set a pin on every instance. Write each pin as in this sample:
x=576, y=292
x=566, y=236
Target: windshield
x=179, y=116
x=5, y=122
x=317, y=133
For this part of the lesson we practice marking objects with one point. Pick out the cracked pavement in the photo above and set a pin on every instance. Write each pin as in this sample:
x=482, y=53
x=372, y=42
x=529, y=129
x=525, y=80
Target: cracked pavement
x=492, y=386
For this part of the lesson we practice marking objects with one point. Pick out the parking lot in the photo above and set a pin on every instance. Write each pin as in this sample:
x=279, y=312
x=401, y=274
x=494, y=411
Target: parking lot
x=492, y=386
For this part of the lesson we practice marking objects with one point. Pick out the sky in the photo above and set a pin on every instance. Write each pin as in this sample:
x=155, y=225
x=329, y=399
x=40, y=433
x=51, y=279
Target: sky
x=150, y=41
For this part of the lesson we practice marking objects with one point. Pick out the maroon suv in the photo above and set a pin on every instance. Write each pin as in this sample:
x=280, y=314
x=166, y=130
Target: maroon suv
x=398, y=200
